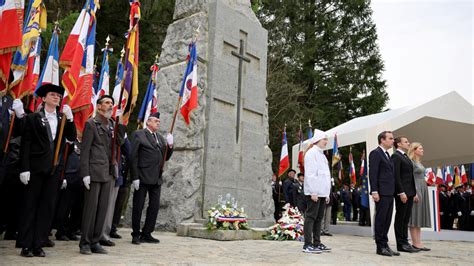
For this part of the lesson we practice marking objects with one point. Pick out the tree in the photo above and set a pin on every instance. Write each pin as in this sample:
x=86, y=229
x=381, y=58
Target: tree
x=329, y=48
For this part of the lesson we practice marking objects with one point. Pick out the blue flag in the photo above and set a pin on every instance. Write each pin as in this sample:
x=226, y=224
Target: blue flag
x=364, y=196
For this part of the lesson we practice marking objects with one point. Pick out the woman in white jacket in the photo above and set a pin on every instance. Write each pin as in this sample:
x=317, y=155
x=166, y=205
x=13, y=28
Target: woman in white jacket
x=317, y=187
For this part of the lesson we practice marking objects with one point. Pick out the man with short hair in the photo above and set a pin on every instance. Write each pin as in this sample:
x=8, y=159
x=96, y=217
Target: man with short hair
x=98, y=171
x=149, y=150
x=405, y=193
x=298, y=193
x=382, y=187
x=288, y=186
x=37, y=172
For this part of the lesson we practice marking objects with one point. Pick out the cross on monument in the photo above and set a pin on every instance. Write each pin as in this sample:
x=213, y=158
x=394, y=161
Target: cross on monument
x=241, y=56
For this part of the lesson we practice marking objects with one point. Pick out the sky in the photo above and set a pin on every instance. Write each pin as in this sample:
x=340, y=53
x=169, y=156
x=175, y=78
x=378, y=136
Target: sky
x=427, y=48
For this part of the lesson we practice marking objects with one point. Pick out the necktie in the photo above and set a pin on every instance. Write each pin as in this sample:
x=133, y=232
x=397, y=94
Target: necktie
x=154, y=137
x=388, y=155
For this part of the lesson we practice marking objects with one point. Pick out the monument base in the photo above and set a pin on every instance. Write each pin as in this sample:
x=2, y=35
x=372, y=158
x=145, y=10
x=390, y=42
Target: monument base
x=197, y=230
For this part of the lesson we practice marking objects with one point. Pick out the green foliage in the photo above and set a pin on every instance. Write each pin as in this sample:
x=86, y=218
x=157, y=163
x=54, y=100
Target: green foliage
x=331, y=64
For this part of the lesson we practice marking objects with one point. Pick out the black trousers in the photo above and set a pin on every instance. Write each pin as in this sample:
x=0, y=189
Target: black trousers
x=67, y=199
x=334, y=210
x=383, y=219
x=355, y=213
x=11, y=192
x=312, y=220
x=139, y=196
x=364, y=219
x=119, y=205
x=37, y=210
x=402, y=218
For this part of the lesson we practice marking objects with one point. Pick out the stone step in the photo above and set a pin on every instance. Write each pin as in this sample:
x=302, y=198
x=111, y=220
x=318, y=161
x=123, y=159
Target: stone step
x=227, y=235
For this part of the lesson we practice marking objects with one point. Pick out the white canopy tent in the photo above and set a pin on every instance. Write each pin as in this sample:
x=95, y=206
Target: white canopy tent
x=445, y=127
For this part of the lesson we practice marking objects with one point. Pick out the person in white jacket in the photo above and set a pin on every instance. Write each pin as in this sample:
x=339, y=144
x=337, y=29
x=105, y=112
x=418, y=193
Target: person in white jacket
x=317, y=187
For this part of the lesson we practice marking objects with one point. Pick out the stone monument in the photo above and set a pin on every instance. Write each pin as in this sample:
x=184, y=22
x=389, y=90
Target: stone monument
x=225, y=148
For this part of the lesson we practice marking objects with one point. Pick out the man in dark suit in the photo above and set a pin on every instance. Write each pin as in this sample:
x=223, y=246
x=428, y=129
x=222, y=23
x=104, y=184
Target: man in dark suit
x=298, y=193
x=149, y=150
x=405, y=191
x=98, y=170
x=444, y=211
x=41, y=179
x=382, y=189
x=277, y=195
x=288, y=186
x=355, y=200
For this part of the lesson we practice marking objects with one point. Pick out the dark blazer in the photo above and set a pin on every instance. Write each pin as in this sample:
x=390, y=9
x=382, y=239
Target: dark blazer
x=37, y=150
x=147, y=157
x=404, y=179
x=96, y=150
x=381, y=173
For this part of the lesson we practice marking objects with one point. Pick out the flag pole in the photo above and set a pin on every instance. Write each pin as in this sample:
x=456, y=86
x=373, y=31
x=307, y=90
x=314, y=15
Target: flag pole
x=180, y=98
x=10, y=129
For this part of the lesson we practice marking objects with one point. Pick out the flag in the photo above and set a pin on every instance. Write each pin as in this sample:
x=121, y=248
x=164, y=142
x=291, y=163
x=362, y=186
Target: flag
x=150, y=103
x=364, y=196
x=300, y=151
x=457, y=177
x=81, y=101
x=449, y=176
x=189, y=87
x=11, y=21
x=50, y=73
x=118, y=86
x=352, y=172
x=463, y=174
x=103, y=85
x=284, y=159
x=30, y=79
x=336, y=156
x=310, y=130
x=439, y=176
x=35, y=22
x=130, y=91
x=430, y=176
x=72, y=58
x=340, y=171
x=471, y=173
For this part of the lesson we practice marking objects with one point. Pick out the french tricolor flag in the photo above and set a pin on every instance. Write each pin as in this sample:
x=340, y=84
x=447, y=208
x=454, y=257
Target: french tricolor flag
x=50, y=73
x=189, y=87
x=103, y=88
x=284, y=160
x=118, y=88
x=150, y=103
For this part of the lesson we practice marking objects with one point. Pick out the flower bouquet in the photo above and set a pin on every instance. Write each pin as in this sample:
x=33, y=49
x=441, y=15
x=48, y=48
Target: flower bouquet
x=289, y=227
x=225, y=215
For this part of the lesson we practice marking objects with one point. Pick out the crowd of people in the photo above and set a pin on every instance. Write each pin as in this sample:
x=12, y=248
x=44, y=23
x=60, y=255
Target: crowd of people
x=54, y=181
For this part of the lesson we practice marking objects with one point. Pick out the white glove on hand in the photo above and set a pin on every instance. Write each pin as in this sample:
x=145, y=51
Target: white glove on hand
x=64, y=185
x=68, y=112
x=472, y=213
x=459, y=214
x=18, y=108
x=136, y=184
x=118, y=112
x=441, y=213
x=327, y=200
x=169, y=139
x=25, y=177
x=87, y=182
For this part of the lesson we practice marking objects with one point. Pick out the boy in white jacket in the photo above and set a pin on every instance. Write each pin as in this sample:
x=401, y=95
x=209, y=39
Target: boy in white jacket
x=317, y=187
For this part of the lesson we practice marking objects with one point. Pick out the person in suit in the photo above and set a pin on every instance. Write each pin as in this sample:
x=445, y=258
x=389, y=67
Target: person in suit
x=444, y=211
x=288, y=186
x=98, y=170
x=405, y=193
x=298, y=193
x=346, y=196
x=334, y=201
x=277, y=195
x=328, y=214
x=37, y=173
x=317, y=188
x=149, y=150
x=355, y=200
x=382, y=189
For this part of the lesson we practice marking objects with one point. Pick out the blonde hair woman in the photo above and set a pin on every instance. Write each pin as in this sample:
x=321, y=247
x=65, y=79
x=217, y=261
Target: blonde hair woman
x=420, y=216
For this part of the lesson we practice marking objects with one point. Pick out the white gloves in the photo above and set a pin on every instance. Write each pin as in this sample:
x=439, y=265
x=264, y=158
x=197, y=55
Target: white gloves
x=68, y=112
x=136, y=184
x=472, y=213
x=327, y=200
x=25, y=177
x=64, y=185
x=441, y=213
x=459, y=214
x=169, y=139
x=18, y=108
x=87, y=182
x=118, y=112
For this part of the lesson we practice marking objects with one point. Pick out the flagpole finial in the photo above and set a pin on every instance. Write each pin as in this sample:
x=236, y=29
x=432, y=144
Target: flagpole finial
x=157, y=57
x=309, y=122
x=122, y=53
x=107, y=40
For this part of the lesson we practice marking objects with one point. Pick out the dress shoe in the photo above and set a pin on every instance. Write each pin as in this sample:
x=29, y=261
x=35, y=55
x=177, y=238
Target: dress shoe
x=149, y=239
x=422, y=249
x=106, y=243
x=48, y=243
x=327, y=234
x=38, y=252
x=394, y=253
x=115, y=235
x=384, y=252
x=97, y=248
x=136, y=240
x=407, y=248
x=85, y=250
x=26, y=252
x=62, y=238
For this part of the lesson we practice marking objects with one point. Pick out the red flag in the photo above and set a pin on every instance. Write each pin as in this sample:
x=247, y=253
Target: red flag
x=300, y=152
x=284, y=160
x=463, y=175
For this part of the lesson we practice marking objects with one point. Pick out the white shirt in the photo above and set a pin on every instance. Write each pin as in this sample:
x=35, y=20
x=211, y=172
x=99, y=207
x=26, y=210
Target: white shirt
x=317, y=177
x=385, y=152
x=400, y=150
x=52, y=121
x=152, y=133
